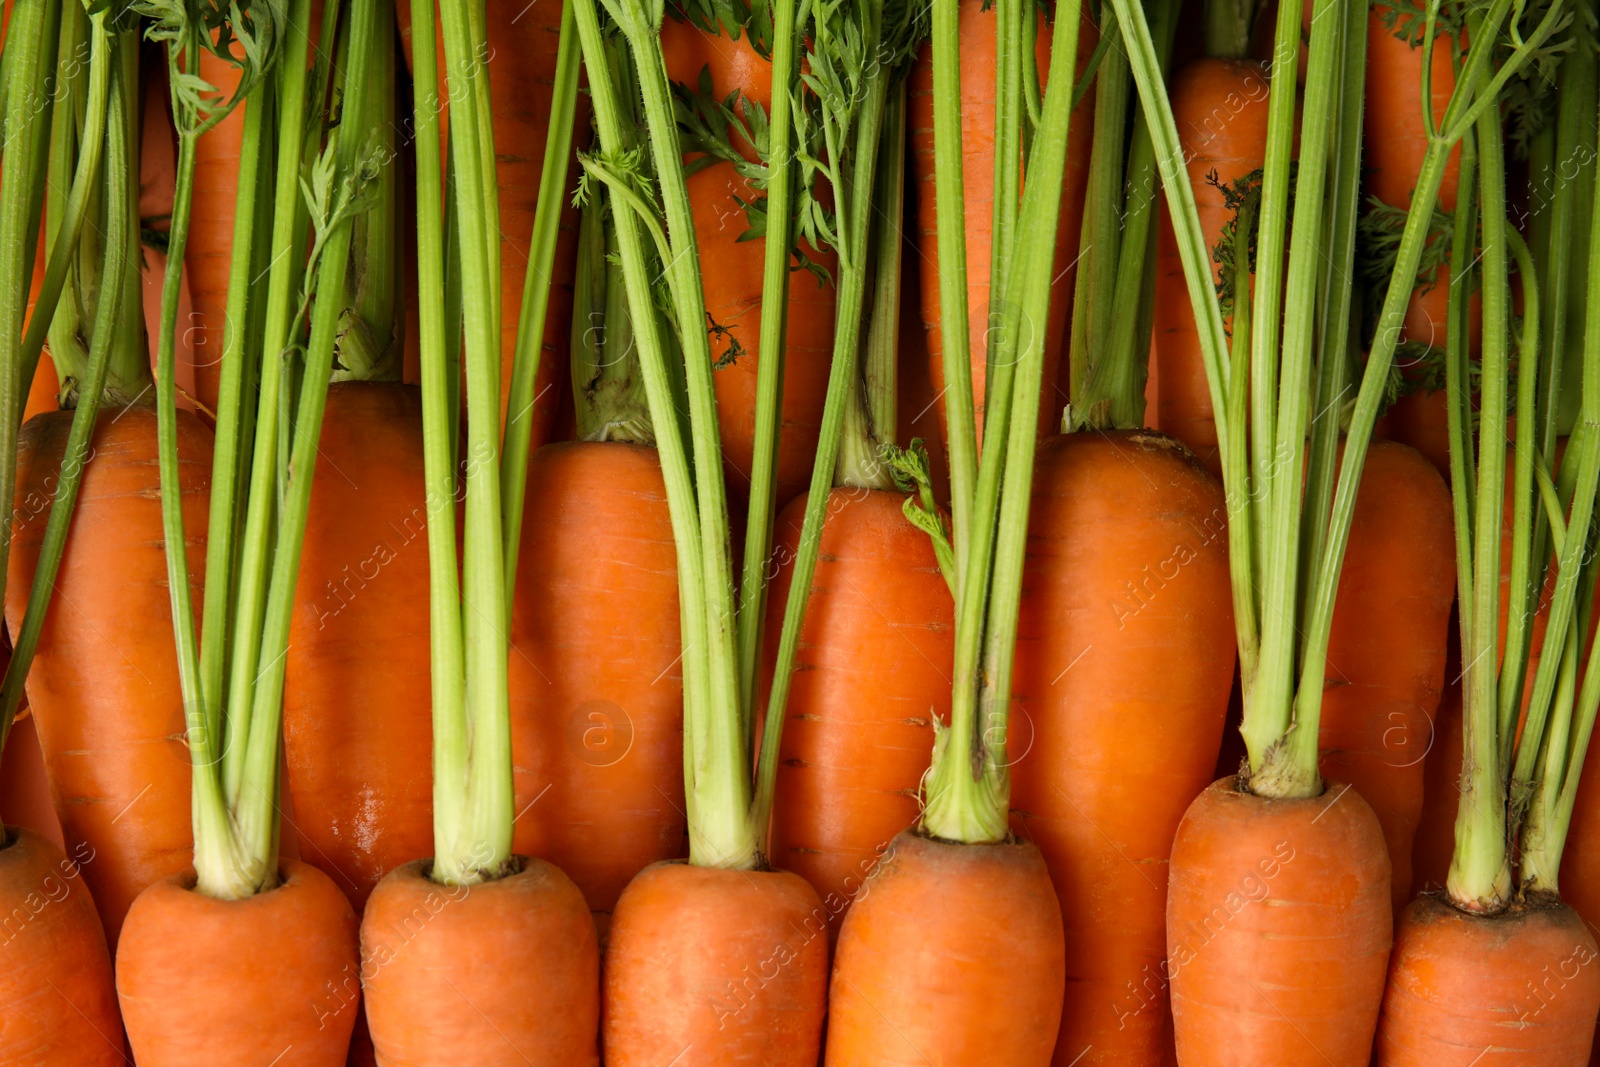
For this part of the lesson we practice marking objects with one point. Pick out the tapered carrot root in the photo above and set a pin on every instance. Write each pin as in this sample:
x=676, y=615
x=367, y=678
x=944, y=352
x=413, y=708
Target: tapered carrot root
x=596, y=689
x=1124, y=666
x=952, y=955
x=356, y=709
x=719, y=968
x=872, y=672
x=1220, y=106
x=205, y=981
x=104, y=683
x=501, y=974
x=1279, y=924
x=61, y=1003
x=1517, y=989
x=1386, y=651
x=979, y=41
x=732, y=278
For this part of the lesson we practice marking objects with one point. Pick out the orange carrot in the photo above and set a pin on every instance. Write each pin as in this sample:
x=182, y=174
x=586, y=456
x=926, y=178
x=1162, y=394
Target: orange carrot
x=978, y=44
x=1250, y=874
x=264, y=960
x=853, y=752
x=1220, y=106
x=731, y=274
x=356, y=712
x=1386, y=650
x=988, y=989
x=1516, y=987
x=61, y=1007
x=744, y=977
x=1125, y=660
x=533, y=999
x=104, y=683
x=596, y=687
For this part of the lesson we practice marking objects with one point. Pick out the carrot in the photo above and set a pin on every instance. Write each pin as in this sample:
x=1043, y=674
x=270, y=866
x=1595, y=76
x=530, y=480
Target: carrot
x=542, y=1010
x=210, y=248
x=979, y=40
x=1249, y=873
x=1386, y=650
x=997, y=915
x=357, y=740
x=1516, y=987
x=873, y=670
x=58, y=983
x=1105, y=763
x=104, y=685
x=522, y=47
x=300, y=937
x=596, y=691
x=732, y=278
x=1220, y=106
x=1441, y=789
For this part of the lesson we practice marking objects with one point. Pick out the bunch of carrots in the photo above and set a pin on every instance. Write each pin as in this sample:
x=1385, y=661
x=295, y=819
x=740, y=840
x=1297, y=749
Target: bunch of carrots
x=799, y=533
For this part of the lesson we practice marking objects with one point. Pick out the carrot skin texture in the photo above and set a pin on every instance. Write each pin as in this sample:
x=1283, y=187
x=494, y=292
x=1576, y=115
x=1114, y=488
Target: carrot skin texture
x=57, y=983
x=1279, y=924
x=872, y=671
x=205, y=981
x=1519, y=988
x=356, y=711
x=721, y=968
x=978, y=28
x=731, y=274
x=104, y=682
x=596, y=688
x=1387, y=646
x=1220, y=106
x=1435, y=840
x=953, y=954
x=501, y=974
x=1125, y=658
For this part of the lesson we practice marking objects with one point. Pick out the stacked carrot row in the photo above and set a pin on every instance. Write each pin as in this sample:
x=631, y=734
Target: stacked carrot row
x=623, y=532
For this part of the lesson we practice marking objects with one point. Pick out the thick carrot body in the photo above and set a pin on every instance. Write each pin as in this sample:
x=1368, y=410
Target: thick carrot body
x=595, y=677
x=731, y=274
x=104, y=683
x=61, y=1002
x=719, y=968
x=1518, y=988
x=357, y=713
x=522, y=63
x=209, y=253
x=501, y=974
x=1435, y=840
x=872, y=672
x=1220, y=106
x=205, y=981
x=1125, y=657
x=1387, y=647
x=979, y=41
x=1279, y=924
x=953, y=955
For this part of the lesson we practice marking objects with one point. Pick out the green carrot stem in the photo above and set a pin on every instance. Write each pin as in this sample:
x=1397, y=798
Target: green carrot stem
x=520, y=399
x=607, y=387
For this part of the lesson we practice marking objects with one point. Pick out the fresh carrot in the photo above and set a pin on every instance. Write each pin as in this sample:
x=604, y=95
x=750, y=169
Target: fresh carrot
x=732, y=277
x=1124, y=666
x=997, y=914
x=521, y=68
x=596, y=691
x=1386, y=650
x=852, y=757
x=1221, y=109
x=357, y=740
x=542, y=1010
x=58, y=982
x=1441, y=789
x=979, y=40
x=109, y=721
x=277, y=962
